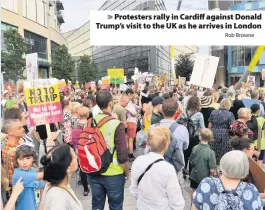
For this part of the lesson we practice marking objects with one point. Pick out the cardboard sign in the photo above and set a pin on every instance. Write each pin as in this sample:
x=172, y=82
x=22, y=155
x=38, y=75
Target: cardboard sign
x=251, y=80
x=105, y=82
x=204, y=70
x=43, y=101
x=116, y=76
x=32, y=66
x=258, y=175
x=62, y=85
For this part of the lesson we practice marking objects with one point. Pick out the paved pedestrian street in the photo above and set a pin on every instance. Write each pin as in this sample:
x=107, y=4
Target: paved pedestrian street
x=129, y=201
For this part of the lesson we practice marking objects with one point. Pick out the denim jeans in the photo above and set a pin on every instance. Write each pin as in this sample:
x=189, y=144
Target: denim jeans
x=112, y=186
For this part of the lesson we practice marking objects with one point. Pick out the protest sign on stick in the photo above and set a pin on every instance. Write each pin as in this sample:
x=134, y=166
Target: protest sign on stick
x=43, y=101
x=204, y=70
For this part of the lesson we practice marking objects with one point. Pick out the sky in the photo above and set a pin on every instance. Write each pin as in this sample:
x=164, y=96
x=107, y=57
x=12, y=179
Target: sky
x=76, y=12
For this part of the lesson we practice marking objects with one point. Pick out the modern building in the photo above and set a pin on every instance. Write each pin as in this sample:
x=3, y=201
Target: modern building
x=239, y=57
x=38, y=21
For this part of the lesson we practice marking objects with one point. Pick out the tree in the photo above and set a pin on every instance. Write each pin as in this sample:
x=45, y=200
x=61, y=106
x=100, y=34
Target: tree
x=87, y=69
x=62, y=64
x=184, y=65
x=13, y=62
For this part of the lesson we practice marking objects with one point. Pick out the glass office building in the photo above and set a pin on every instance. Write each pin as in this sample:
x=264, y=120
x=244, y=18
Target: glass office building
x=154, y=59
x=239, y=57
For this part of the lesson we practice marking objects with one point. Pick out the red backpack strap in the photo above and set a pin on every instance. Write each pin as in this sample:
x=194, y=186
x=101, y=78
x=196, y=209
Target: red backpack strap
x=104, y=120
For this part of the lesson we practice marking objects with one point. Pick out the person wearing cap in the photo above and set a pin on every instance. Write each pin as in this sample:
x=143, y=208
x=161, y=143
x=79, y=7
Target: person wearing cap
x=157, y=109
x=6, y=97
x=206, y=108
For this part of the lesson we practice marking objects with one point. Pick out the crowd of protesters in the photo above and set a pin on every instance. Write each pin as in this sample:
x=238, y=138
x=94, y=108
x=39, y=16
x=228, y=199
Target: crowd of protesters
x=186, y=131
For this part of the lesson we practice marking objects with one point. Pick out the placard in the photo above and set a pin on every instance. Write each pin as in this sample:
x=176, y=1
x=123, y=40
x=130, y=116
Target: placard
x=204, y=70
x=43, y=101
x=116, y=76
x=32, y=66
x=251, y=80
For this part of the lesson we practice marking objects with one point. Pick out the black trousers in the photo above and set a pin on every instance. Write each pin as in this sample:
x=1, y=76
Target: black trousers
x=84, y=180
x=193, y=142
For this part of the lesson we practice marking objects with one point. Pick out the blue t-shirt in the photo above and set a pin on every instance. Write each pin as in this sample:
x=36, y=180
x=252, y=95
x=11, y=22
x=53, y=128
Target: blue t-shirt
x=27, y=200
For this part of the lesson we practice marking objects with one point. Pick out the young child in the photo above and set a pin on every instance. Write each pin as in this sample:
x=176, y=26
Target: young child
x=202, y=160
x=29, y=199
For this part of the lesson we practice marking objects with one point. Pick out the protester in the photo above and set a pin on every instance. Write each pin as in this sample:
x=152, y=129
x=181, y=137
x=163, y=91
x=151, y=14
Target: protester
x=220, y=123
x=257, y=126
x=202, y=160
x=254, y=100
x=25, y=158
x=239, y=128
x=14, y=130
x=215, y=103
x=132, y=112
x=94, y=109
x=179, y=138
x=147, y=117
x=110, y=183
x=158, y=187
x=193, y=119
x=119, y=109
x=59, y=165
x=206, y=108
x=228, y=191
x=157, y=109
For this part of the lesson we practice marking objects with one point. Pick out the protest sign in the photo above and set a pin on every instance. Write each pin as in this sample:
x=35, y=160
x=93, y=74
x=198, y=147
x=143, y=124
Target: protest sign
x=251, y=80
x=116, y=76
x=258, y=175
x=204, y=70
x=123, y=87
x=43, y=101
x=32, y=66
x=263, y=74
x=105, y=82
x=62, y=85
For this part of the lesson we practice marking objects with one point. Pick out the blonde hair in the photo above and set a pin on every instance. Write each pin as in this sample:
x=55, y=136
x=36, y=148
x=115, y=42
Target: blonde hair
x=225, y=104
x=149, y=111
x=216, y=97
x=83, y=112
x=244, y=113
x=75, y=106
x=206, y=134
x=158, y=138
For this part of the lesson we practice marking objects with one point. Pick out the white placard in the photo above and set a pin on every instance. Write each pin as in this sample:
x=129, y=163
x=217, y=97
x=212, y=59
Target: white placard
x=177, y=28
x=123, y=87
x=32, y=66
x=251, y=80
x=204, y=70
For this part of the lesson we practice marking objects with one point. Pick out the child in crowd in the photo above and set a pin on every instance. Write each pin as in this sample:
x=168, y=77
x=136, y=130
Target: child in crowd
x=202, y=160
x=29, y=199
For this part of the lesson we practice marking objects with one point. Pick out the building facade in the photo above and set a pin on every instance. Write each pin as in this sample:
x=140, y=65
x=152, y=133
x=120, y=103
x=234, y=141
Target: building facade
x=38, y=21
x=239, y=57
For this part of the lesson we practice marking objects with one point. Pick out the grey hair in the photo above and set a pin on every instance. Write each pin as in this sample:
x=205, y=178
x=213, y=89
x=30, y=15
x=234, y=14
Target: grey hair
x=235, y=165
x=8, y=124
x=254, y=94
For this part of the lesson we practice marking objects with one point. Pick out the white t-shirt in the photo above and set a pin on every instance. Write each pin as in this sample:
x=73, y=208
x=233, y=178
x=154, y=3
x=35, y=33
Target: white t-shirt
x=60, y=199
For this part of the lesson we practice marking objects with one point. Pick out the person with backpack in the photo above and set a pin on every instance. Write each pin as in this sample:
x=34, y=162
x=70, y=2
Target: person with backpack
x=193, y=120
x=103, y=154
x=83, y=114
x=154, y=182
x=228, y=192
x=179, y=138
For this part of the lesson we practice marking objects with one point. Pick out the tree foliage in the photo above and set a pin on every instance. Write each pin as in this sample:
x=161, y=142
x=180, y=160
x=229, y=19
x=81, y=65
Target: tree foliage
x=87, y=69
x=13, y=62
x=184, y=65
x=62, y=64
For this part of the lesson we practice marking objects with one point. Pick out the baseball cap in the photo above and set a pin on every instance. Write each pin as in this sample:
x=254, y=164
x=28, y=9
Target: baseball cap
x=157, y=100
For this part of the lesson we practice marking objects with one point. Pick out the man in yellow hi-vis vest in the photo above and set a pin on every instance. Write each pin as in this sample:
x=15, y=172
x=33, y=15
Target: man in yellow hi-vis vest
x=110, y=183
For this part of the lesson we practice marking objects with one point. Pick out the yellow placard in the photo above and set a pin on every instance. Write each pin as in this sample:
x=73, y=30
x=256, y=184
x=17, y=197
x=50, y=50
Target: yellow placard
x=105, y=81
x=116, y=73
x=42, y=95
x=256, y=58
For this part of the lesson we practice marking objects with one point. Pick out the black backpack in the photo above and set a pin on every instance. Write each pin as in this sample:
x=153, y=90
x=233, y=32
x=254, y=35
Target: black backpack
x=189, y=124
